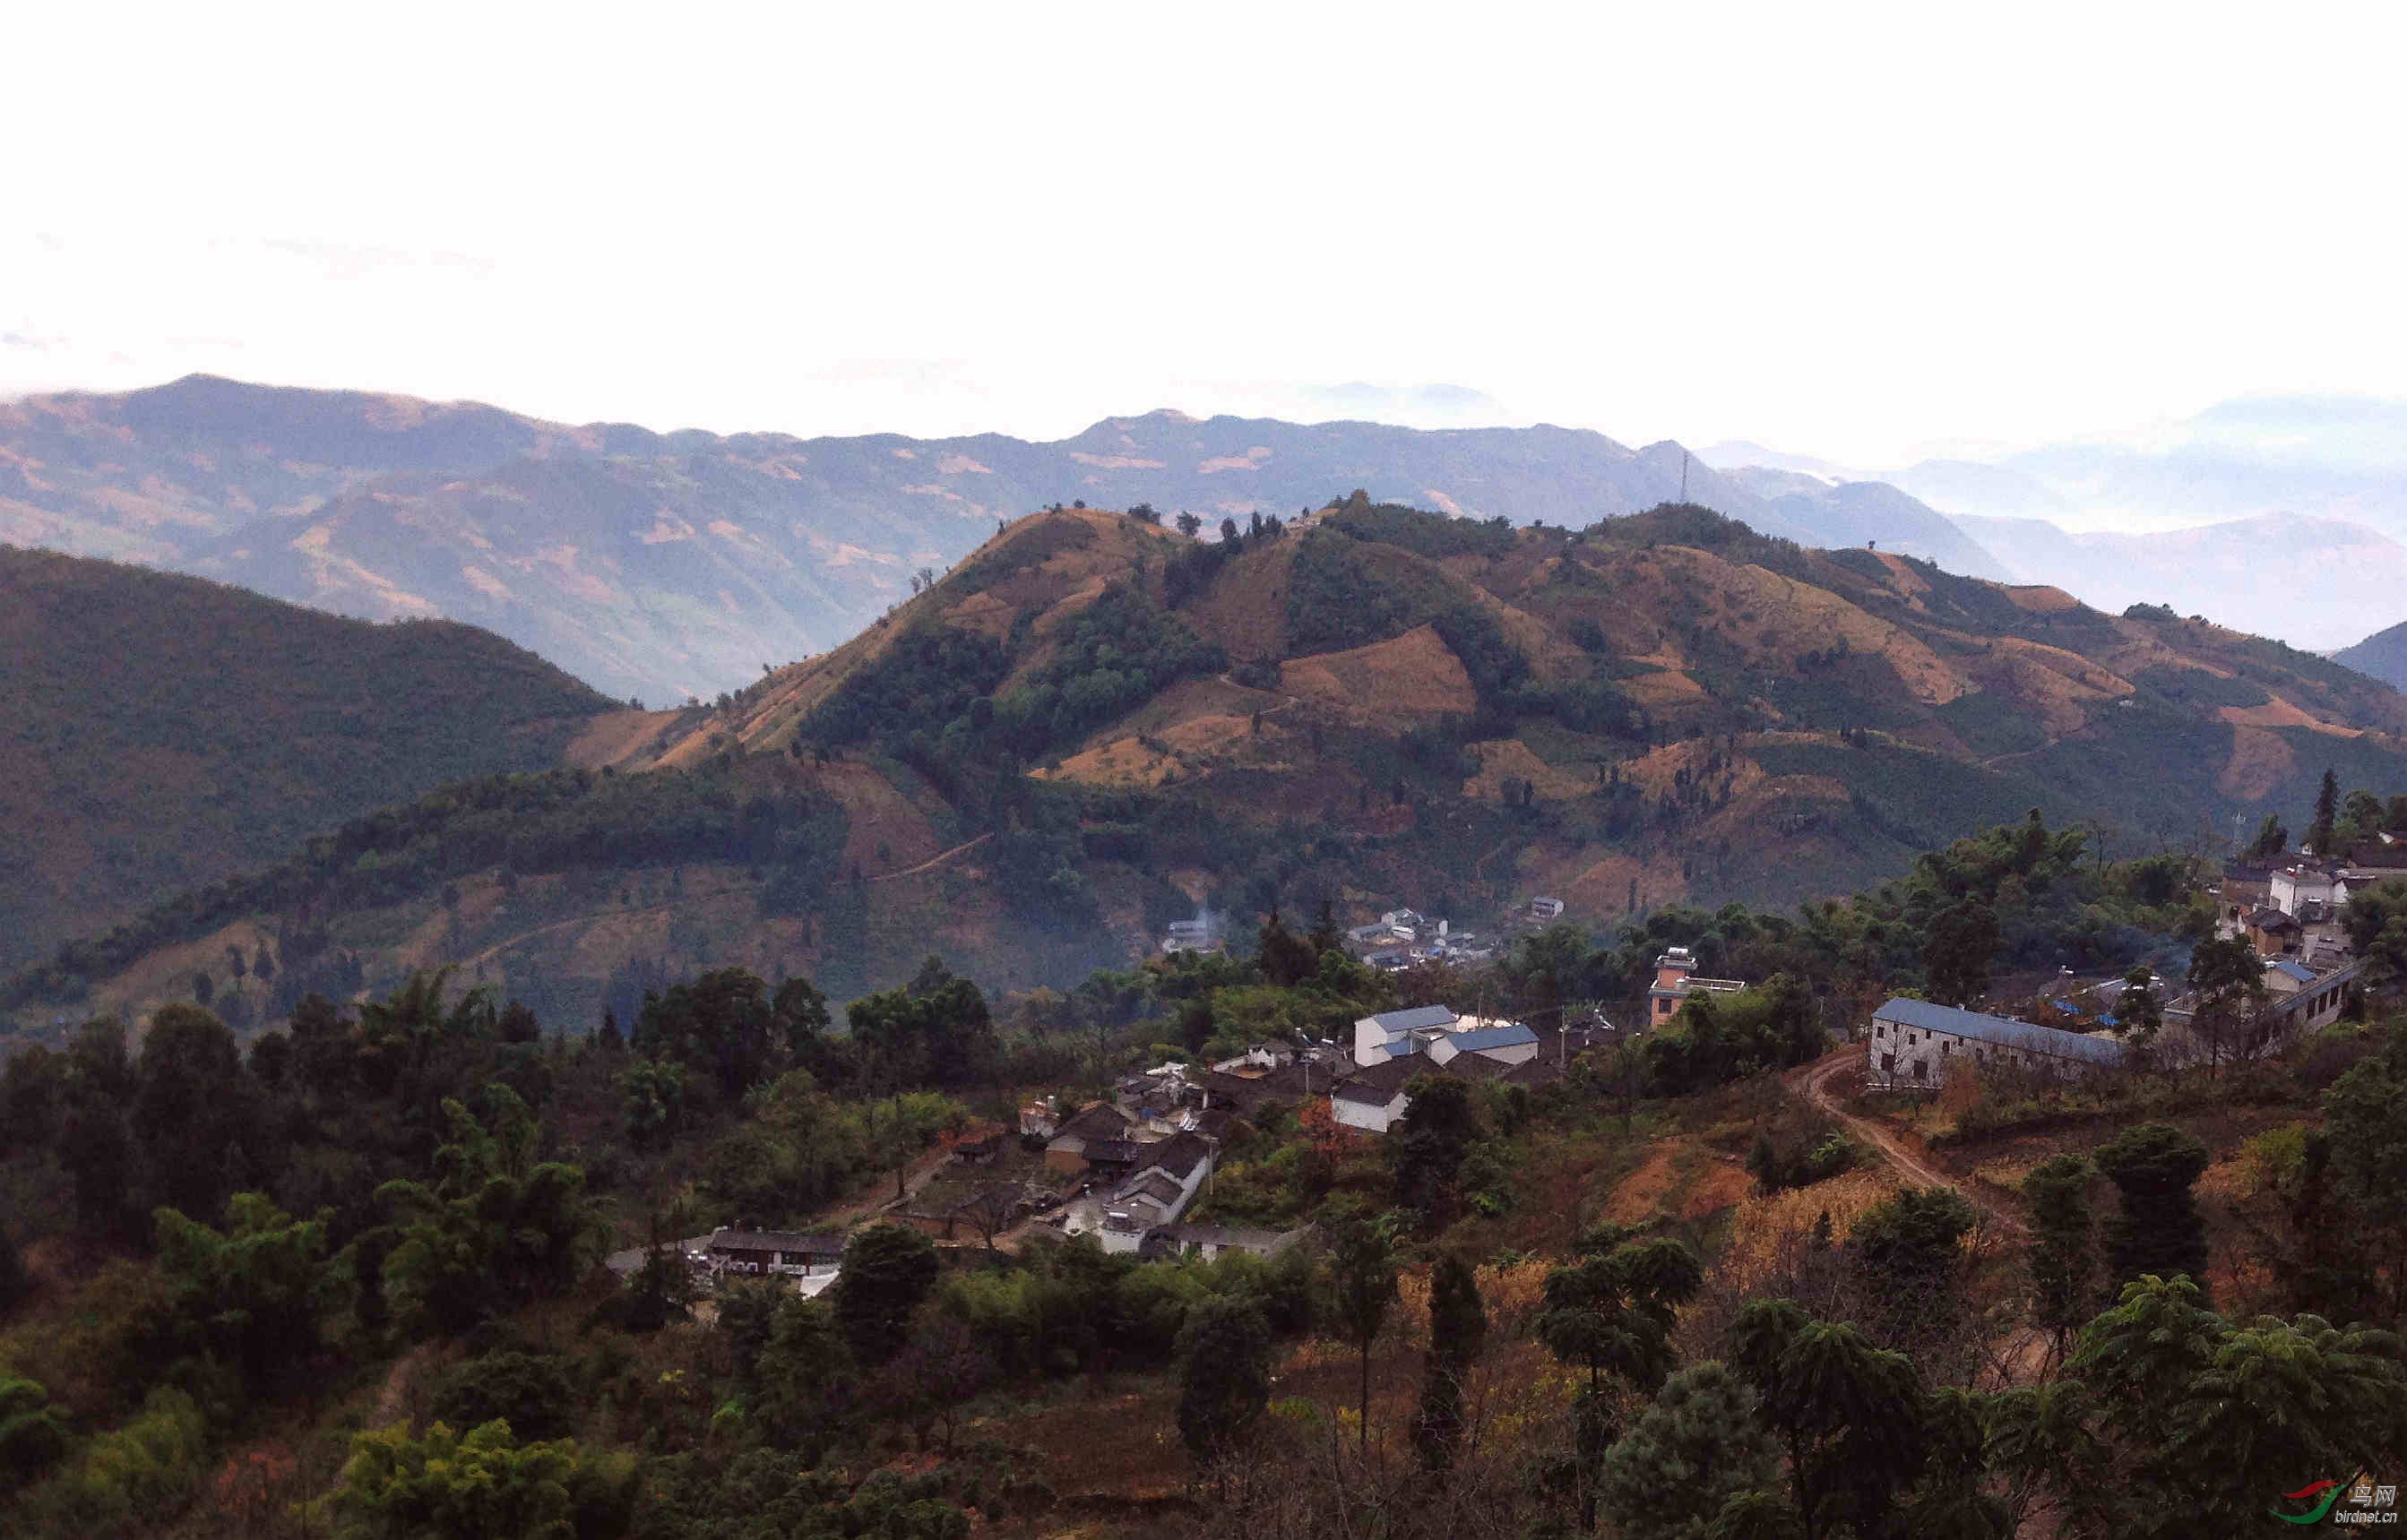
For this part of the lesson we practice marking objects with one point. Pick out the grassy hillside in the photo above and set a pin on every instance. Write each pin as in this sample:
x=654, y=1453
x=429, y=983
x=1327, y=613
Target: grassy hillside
x=164, y=732
x=1096, y=723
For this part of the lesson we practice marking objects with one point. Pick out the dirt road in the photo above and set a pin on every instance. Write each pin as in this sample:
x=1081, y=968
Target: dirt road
x=1814, y=1081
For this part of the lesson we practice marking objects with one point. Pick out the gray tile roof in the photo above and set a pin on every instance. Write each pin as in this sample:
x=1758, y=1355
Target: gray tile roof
x=1924, y=1016
x=1512, y=1035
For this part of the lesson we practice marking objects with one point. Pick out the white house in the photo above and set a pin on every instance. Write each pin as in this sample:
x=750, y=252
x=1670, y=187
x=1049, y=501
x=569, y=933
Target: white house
x=1399, y=1034
x=1913, y=1041
x=1210, y=1241
x=1373, y=1098
x=1505, y=1042
x=2291, y=888
x=1165, y=1181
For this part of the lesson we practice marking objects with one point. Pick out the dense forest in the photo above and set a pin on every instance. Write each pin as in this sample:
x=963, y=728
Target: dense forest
x=164, y=732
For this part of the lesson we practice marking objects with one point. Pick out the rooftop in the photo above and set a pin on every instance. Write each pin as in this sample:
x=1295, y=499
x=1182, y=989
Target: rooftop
x=777, y=1240
x=1925, y=1016
x=1420, y=1018
x=1510, y=1034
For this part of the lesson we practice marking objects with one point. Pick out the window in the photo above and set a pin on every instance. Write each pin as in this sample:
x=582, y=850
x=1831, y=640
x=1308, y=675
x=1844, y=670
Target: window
x=1889, y=1064
x=1917, y=1070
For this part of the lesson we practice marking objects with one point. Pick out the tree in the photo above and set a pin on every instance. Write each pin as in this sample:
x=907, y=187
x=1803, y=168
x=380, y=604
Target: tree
x=1189, y=524
x=1847, y=1414
x=191, y=1110
x=1429, y=1144
x=888, y=1270
x=1224, y=1355
x=2271, y=839
x=934, y=1030
x=932, y=1380
x=1908, y=1247
x=1287, y=959
x=2156, y=1231
x=652, y=1097
x=1611, y=1312
x=246, y=1295
x=204, y=989
x=2140, y=1013
x=530, y=1392
x=2377, y=922
x=1698, y=1447
x=2319, y=833
x=1361, y=1286
x=2365, y=1148
x=1962, y=942
x=16, y=1280
x=1229, y=532
x=32, y=1432
x=803, y=1382
x=2228, y=980
x=480, y=1485
x=2063, y=1249
x=1458, y=1331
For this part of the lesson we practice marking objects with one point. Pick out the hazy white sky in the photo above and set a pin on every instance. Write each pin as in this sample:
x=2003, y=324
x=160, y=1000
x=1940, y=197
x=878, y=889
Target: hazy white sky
x=1854, y=231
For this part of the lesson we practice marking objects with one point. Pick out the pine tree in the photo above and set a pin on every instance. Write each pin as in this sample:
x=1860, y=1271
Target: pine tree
x=2319, y=833
x=2158, y=1231
x=1362, y=1284
x=1224, y=1352
x=2063, y=1252
x=1458, y=1331
x=1699, y=1447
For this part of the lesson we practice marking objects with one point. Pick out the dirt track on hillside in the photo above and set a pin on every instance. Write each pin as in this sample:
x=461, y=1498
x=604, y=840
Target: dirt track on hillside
x=1813, y=1082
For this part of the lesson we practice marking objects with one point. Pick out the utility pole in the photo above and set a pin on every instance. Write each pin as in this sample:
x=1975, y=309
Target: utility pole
x=1683, y=476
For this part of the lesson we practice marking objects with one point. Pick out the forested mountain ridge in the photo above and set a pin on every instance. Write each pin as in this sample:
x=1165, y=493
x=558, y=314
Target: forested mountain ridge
x=1098, y=722
x=164, y=732
x=2382, y=656
x=669, y=565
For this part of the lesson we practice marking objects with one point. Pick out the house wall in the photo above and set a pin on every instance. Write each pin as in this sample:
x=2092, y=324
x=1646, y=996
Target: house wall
x=1912, y=1056
x=1067, y=1157
x=1369, y=1043
x=1371, y=1120
x=1518, y=1053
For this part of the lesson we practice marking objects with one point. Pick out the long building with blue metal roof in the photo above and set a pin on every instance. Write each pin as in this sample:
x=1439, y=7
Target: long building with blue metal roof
x=1914, y=1042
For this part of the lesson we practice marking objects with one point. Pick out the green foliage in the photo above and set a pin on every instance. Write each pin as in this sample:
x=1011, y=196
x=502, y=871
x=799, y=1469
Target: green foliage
x=529, y=1392
x=2364, y=1152
x=2156, y=1230
x=497, y=1230
x=554, y=822
x=16, y=1278
x=193, y=1112
x=1432, y=535
x=1361, y=1286
x=1458, y=1331
x=2063, y=1250
x=803, y=1385
x=482, y=1485
x=299, y=718
x=888, y=1270
x=1224, y=1351
x=1695, y=1450
x=1963, y=941
x=1714, y=1039
x=32, y=1435
x=2377, y=922
x=148, y=1465
x=249, y=1296
x=932, y=1031
x=1612, y=1312
x=1429, y=1144
x=1848, y=1415
x=1112, y=656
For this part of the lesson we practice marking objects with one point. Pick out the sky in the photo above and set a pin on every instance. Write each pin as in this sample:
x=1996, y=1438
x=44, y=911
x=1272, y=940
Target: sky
x=1865, y=232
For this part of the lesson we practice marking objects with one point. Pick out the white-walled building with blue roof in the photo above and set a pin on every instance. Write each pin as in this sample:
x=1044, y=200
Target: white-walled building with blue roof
x=1914, y=1042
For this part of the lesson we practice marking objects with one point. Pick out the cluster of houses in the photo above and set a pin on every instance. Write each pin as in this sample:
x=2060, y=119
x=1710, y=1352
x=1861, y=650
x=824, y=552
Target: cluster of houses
x=1402, y=938
x=1394, y=1047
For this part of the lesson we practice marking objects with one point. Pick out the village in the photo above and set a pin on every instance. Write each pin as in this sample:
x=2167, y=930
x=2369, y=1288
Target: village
x=1129, y=1169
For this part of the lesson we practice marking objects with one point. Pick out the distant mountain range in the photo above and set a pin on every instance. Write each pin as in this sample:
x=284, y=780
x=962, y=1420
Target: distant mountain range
x=662, y=565
x=2286, y=516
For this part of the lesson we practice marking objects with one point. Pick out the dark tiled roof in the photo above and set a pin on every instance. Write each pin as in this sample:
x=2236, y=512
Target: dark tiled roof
x=1102, y=1121
x=1112, y=1151
x=1268, y=1242
x=1178, y=1154
x=777, y=1240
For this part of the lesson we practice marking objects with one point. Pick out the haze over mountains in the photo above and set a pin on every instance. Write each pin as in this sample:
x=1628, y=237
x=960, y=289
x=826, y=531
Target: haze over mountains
x=2282, y=514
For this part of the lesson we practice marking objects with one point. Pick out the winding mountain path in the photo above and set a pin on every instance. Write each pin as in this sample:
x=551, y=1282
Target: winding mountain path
x=1813, y=1082
x=935, y=860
